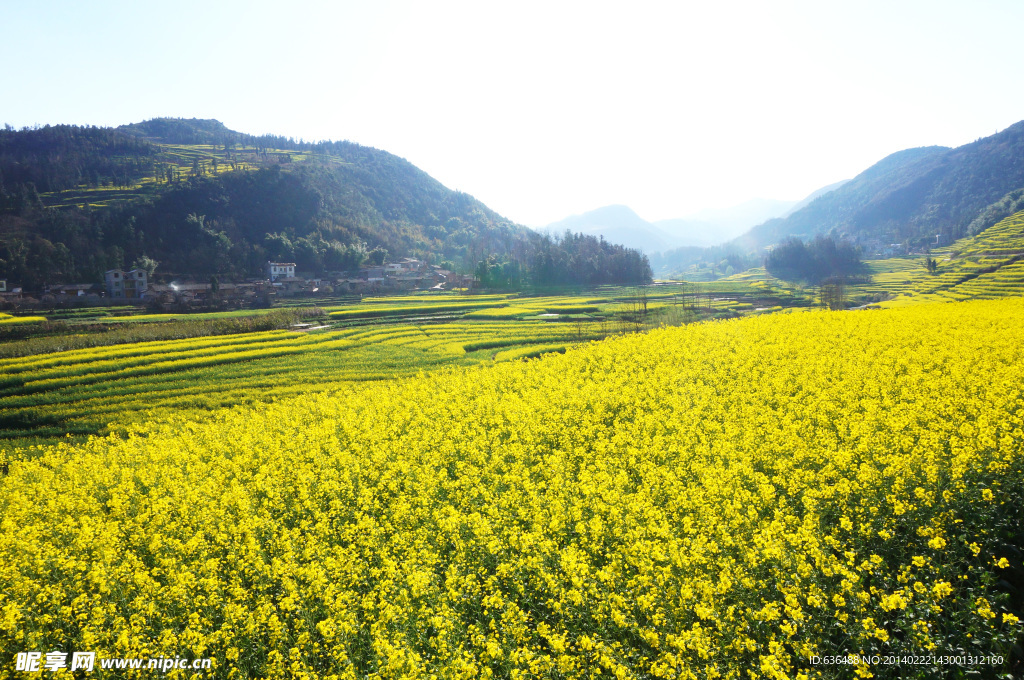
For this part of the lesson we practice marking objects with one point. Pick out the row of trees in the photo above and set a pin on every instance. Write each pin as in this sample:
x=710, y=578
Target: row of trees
x=572, y=259
x=821, y=259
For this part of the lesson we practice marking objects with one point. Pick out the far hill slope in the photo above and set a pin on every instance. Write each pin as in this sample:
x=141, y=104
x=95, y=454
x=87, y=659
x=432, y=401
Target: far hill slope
x=616, y=223
x=188, y=131
x=814, y=195
x=911, y=195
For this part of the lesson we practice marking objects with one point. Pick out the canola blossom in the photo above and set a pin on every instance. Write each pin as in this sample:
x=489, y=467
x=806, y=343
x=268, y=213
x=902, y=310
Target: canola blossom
x=99, y=389
x=9, y=320
x=723, y=500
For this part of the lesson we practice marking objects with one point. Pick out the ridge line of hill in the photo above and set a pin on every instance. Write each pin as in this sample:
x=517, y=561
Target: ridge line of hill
x=199, y=200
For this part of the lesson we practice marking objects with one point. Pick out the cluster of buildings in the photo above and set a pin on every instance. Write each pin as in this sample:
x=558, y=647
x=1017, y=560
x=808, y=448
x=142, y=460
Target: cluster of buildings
x=874, y=247
x=133, y=285
x=406, y=274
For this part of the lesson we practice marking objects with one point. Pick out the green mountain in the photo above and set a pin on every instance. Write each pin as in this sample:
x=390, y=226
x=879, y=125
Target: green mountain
x=204, y=200
x=75, y=201
x=911, y=196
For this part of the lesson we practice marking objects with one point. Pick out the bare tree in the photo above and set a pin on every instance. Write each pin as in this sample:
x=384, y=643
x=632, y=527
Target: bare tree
x=833, y=293
x=636, y=308
x=579, y=323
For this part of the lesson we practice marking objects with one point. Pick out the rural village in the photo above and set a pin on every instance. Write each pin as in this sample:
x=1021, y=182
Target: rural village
x=135, y=286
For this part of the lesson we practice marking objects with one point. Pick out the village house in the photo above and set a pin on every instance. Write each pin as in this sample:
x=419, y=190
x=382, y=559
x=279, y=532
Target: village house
x=290, y=284
x=74, y=290
x=407, y=265
x=894, y=250
x=10, y=292
x=453, y=281
x=280, y=270
x=126, y=284
x=357, y=285
x=180, y=292
x=159, y=293
x=375, y=274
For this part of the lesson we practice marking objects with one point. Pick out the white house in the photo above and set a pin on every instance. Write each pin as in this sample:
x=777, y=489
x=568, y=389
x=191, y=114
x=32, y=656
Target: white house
x=280, y=270
x=126, y=284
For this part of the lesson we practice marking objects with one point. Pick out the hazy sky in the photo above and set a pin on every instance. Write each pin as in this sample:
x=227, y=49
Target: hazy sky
x=542, y=110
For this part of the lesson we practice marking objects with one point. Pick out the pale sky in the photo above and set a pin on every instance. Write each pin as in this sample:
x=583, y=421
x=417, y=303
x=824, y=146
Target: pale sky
x=547, y=109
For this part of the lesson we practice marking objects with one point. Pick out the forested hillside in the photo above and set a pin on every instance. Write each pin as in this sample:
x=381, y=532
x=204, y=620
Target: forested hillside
x=912, y=195
x=203, y=200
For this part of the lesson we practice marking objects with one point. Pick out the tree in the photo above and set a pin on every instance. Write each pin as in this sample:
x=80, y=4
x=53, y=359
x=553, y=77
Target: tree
x=198, y=221
x=145, y=263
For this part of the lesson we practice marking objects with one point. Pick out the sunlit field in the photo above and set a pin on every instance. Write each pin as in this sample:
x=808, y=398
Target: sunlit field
x=723, y=499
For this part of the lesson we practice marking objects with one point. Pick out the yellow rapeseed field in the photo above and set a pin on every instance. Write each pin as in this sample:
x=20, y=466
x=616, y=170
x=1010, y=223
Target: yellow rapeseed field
x=729, y=499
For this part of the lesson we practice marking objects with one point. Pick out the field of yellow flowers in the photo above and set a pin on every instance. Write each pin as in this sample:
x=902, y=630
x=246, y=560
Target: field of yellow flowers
x=741, y=499
x=99, y=389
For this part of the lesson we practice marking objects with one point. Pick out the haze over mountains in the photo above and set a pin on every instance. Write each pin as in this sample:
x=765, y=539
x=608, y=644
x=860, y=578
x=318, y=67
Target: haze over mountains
x=620, y=224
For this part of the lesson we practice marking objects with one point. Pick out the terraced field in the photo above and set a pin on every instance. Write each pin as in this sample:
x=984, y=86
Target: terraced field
x=11, y=320
x=985, y=266
x=180, y=161
x=49, y=390
x=87, y=391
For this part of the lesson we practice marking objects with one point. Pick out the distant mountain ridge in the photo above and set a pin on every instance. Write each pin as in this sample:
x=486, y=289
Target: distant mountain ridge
x=814, y=195
x=736, y=219
x=620, y=224
x=911, y=195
